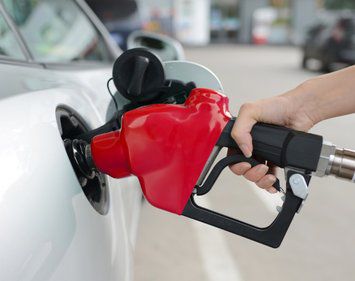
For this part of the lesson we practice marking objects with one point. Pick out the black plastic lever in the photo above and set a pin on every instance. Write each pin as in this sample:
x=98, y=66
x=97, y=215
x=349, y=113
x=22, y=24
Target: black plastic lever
x=271, y=235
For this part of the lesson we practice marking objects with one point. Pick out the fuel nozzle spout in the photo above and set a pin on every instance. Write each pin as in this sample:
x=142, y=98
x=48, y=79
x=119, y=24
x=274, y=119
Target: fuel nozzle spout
x=336, y=161
x=106, y=153
x=110, y=155
x=79, y=153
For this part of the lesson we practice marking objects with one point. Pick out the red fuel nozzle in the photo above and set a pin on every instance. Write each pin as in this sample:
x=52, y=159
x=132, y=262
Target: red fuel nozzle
x=165, y=145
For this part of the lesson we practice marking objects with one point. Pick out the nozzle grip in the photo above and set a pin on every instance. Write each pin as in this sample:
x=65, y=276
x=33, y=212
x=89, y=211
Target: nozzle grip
x=281, y=146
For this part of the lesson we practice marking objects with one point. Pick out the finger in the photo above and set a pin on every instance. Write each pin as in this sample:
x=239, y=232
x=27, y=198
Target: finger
x=240, y=168
x=272, y=169
x=242, y=128
x=256, y=173
x=266, y=182
x=272, y=190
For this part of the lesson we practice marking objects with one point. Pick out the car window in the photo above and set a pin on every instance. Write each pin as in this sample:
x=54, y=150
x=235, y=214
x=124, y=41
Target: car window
x=57, y=31
x=9, y=45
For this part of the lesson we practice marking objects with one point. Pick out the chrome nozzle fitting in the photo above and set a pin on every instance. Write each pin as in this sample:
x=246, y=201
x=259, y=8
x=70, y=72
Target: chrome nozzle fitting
x=336, y=161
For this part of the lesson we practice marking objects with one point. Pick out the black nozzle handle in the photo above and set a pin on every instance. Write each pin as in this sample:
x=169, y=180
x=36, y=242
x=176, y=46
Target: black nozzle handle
x=280, y=146
x=271, y=235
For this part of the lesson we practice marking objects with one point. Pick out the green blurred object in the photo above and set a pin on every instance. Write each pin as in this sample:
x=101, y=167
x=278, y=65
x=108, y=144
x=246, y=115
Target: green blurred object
x=339, y=4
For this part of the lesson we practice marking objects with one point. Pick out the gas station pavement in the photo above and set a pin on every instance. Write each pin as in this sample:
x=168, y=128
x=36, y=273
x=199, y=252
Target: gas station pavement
x=320, y=243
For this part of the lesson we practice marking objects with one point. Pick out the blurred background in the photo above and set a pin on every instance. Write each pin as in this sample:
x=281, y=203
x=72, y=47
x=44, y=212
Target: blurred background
x=258, y=48
x=324, y=28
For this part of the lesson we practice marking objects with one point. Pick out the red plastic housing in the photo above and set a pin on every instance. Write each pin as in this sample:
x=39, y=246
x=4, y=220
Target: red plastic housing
x=166, y=146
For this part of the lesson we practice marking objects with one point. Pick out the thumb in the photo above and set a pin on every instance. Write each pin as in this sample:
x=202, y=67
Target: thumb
x=242, y=128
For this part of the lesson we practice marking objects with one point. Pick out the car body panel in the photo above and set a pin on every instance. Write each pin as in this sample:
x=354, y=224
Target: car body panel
x=52, y=231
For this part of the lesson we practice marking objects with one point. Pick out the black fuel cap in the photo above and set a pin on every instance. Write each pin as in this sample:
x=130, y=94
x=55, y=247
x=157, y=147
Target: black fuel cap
x=138, y=75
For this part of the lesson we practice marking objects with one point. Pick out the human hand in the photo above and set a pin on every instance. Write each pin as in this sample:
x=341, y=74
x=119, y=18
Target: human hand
x=284, y=110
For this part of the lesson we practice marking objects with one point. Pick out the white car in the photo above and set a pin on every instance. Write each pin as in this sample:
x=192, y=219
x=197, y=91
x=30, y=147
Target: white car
x=55, y=61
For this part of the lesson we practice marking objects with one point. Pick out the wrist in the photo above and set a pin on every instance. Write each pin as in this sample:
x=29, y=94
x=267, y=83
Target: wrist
x=301, y=104
x=328, y=95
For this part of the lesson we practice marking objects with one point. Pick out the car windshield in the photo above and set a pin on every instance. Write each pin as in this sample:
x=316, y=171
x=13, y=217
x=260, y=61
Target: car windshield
x=57, y=31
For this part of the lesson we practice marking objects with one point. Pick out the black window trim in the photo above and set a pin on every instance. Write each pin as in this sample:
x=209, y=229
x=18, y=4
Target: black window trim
x=29, y=59
x=101, y=29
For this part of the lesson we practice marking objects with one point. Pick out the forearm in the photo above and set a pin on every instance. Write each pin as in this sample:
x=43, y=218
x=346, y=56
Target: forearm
x=326, y=96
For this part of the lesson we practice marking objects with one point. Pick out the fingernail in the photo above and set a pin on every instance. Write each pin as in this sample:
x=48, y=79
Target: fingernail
x=245, y=167
x=240, y=169
x=271, y=180
x=246, y=151
x=272, y=190
x=263, y=168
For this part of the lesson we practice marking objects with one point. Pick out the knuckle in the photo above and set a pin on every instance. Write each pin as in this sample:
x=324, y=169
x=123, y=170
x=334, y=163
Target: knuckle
x=239, y=173
x=246, y=107
x=261, y=184
x=257, y=173
x=240, y=169
x=266, y=182
x=235, y=134
x=250, y=176
x=235, y=169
